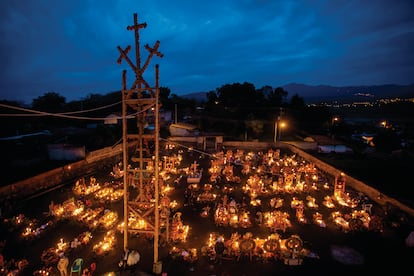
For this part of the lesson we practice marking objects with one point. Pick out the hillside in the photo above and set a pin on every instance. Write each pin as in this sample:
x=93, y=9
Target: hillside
x=349, y=93
x=319, y=93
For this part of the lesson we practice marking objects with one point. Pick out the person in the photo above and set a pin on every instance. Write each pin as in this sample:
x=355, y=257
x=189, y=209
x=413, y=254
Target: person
x=186, y=196
x=88, y=202
x=93, y=268
x=125, y=258
x=63, y=265
x=219, y=249
x=86, y=272
x=52, y=208
x=259, y=217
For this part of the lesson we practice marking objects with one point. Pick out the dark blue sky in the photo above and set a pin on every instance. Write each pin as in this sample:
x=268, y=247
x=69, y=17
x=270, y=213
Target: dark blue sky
x=69, y=47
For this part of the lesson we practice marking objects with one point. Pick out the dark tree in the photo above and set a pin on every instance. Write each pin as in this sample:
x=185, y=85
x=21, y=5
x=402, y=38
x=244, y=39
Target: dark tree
x=237, y=95
x=212, y=98
x=275, y=97
x=297, y=102
x=165, y=100
x=49, y=102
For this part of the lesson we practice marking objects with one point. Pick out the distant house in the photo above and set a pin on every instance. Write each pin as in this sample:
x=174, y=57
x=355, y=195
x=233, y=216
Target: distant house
x=183, y=129
x=366, y=138
x=165, y=117
x=326, y=144
x=113, y=119
x=334, y=149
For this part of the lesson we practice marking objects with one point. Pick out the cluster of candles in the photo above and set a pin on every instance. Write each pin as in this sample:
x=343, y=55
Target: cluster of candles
x=292, y=177
x=273, y=245
x=106, y=244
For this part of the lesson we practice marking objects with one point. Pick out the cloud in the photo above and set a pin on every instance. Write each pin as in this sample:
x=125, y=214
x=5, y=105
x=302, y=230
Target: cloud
x=70, y=47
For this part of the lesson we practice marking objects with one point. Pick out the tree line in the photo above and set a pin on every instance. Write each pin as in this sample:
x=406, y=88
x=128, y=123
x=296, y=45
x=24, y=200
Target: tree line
x=238, y=110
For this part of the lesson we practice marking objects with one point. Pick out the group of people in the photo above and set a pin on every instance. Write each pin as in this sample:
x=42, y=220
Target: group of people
x=63, y=265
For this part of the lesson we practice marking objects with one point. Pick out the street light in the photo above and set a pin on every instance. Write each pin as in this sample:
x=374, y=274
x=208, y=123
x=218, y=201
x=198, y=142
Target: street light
x=275, y=136
x=333, y=121
x=278, y=130
x=281, y=125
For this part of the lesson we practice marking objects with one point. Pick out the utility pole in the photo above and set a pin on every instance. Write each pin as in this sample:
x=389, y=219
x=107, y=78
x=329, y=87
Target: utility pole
x=141, y=167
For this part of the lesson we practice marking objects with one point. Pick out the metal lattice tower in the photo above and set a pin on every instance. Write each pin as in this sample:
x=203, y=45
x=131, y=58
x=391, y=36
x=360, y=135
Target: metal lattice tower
x=140, y=146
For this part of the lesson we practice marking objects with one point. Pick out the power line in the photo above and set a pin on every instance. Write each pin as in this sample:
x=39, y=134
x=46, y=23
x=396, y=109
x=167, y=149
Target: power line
x=66, y=114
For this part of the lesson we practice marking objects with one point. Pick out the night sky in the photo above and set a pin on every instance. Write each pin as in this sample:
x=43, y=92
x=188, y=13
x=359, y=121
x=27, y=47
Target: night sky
x=70, y=47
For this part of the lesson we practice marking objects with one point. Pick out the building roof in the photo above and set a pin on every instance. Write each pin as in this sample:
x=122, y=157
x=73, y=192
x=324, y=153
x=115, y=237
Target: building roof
x=186, y=126
x=326, y=140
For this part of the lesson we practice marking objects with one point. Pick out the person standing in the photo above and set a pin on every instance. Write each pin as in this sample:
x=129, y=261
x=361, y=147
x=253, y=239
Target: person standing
x=63, y=265
x=219, y=249
x=93, y=268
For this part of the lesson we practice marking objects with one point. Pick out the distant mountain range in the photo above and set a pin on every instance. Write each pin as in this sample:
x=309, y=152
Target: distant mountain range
x=326, y=93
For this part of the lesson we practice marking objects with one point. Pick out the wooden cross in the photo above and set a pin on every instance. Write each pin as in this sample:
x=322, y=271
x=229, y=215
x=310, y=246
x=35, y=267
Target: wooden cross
x=194, y=166
x=139, y=79
x=153, y=51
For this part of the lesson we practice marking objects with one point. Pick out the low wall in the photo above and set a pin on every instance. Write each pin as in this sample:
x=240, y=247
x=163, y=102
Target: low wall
x=64, y=174
x=374, y=194
x=66, y=152
x=250, y=145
